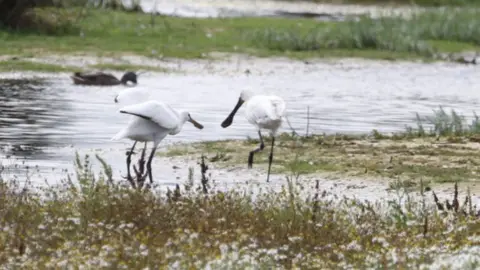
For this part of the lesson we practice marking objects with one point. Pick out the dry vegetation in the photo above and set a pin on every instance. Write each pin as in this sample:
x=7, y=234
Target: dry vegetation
x=96, y=222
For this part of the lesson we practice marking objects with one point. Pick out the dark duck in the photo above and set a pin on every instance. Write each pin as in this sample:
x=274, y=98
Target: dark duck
x=101, y=78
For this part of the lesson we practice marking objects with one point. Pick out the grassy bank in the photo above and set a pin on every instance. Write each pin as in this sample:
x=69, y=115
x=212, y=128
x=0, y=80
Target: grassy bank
x=80, y=31
x=96, y=222
x=26, y=63
x=441, y=148
x=11, y=65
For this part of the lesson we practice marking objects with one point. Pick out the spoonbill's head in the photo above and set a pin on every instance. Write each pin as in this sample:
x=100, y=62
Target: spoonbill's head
x=244, y=97
x=186, y=117
x=129, y=76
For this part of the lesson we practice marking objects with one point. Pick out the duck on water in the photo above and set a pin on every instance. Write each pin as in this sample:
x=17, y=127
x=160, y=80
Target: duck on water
x=103, y=79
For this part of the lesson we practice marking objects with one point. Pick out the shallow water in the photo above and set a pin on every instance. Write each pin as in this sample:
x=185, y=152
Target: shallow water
x=44, y=125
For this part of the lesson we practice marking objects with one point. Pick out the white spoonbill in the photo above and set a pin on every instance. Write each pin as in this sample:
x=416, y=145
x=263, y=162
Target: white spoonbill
x=131, y=96
x=153, y=121
x=263, y=112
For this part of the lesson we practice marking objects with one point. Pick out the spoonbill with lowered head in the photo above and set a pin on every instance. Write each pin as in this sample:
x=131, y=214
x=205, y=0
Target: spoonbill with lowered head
x=153, y=121
x=263, y=112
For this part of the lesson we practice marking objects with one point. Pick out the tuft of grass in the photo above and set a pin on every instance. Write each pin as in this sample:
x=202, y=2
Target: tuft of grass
x=88, y=221
x=444, y=124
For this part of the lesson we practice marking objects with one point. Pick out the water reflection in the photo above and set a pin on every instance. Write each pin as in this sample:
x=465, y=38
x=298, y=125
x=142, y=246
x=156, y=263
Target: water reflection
x=29, y=114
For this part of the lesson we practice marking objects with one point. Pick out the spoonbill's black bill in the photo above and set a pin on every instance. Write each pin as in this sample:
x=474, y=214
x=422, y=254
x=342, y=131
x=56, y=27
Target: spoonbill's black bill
x=228, y=121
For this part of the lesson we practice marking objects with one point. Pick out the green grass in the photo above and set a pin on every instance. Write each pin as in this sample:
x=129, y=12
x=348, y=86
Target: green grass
x=115, y=33
x=27, y=65
x=424, y=35
x=124, y=67
x=13, y=65
x=96, y=222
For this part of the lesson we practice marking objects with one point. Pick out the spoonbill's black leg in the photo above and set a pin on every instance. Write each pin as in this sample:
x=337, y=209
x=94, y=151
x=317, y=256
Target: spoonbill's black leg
x=270, y=159
x=140, y=177
x=149, y=164
x=141, y=162
x=129, y=161
x=260, y=148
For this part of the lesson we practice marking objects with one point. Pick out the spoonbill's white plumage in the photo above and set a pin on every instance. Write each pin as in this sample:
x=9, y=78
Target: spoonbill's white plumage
x=131, y=96
x=152, y=121
x=264, y=112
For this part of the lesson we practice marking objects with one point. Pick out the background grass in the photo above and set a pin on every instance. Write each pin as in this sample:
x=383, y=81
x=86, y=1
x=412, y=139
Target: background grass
x=10, y=65
x=117, y=32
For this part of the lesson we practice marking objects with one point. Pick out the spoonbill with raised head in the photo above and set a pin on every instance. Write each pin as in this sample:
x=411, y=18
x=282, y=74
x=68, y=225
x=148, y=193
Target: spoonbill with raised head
x=263, y=112
x=152, y=122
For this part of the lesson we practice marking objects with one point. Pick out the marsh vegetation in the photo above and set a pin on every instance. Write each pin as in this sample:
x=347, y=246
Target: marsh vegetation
x=95, y=221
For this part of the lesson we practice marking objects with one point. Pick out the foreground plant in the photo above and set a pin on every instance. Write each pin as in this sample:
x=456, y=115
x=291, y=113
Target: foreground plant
x=94, y=222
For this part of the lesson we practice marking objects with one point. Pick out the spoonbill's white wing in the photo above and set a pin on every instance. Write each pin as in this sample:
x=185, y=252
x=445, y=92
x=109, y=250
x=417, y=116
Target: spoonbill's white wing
x=132, y=96
x=155, y=111
x=263, y=110
x=278, y=105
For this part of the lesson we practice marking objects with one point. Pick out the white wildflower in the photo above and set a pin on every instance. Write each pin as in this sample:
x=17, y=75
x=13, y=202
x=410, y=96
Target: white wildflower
x=354, y=246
